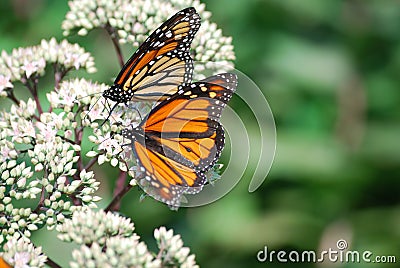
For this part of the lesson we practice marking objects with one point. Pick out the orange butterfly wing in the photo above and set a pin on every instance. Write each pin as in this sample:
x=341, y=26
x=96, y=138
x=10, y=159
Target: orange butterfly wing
x=160, y=64
x=181, y=138
x=166, y=179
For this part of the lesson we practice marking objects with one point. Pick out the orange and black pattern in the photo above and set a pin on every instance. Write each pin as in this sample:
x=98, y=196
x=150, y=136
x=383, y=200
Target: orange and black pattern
x=160, y=64
x=182, y=138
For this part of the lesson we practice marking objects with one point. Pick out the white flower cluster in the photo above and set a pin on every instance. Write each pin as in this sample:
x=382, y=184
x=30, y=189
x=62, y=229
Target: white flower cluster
x=86, y=94
x=108, y=240
x=117, y=252
x=25, y=63
x=20, y=253
x=22, y=62
x=109, y=147
x=81, y=92
x=213, y=51
x=87, y=226
x=37, y=163
x=132, y=21
x=173, y=254
x=69, y=56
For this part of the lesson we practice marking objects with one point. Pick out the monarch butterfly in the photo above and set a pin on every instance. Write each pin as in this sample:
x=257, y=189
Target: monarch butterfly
x=160, y=64
x=181, y=138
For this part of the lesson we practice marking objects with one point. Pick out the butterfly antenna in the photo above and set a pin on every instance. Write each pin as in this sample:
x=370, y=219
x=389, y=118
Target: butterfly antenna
x=138, y=112
x=109, y=114
x=89, y=95
x=140, y=115
x=90, y=108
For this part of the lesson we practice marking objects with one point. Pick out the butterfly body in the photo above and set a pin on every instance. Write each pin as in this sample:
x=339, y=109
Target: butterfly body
x=182, y=138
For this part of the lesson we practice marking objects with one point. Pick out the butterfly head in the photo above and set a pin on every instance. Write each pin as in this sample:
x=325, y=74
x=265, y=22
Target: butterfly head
x=117, y=94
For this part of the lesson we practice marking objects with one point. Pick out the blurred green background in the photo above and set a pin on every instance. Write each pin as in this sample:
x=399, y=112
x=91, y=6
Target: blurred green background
x=330, y=71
